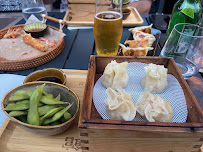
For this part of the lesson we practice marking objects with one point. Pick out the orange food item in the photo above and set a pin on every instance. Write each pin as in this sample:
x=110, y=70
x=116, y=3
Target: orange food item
x=34, y=42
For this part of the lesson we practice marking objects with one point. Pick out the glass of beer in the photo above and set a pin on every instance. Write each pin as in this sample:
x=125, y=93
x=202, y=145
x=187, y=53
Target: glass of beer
x=108, y=26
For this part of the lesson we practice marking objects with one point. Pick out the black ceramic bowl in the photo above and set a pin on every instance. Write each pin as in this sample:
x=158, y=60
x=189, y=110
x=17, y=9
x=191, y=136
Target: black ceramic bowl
x=35, y=29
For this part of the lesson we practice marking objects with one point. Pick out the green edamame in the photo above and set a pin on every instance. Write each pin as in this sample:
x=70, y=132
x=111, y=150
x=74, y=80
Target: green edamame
x=14, y=106
x=57, y=116
x=47, y=100
x=66, y=117
x=49, y=114
x=18, y=97
x=44, y=109
x=49, y=96
x=33, y=116
x=58, y=97
x=23, y=101
x=23, y=92
x=17, y=113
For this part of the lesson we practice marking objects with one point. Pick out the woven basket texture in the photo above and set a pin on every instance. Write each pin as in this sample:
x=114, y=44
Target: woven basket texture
x=16, y=65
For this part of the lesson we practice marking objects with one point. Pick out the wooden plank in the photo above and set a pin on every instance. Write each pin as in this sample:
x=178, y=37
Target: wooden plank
x=60, y=60
x=148, y=141
x=83, y=15
x=15, y=139
x=81, y=51
x=139, y=141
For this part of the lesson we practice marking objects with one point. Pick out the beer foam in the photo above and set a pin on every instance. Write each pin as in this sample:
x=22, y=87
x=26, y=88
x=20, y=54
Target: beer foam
x=110, y=12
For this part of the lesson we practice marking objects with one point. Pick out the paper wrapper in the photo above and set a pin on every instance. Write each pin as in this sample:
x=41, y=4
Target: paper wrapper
x=173, y=93
x=17, y=49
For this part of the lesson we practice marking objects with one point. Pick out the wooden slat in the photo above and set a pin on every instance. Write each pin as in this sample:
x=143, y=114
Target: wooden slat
x=83, y=15
x=60, y=60
x=81, y=51
x=15, y=139
x=139, y=141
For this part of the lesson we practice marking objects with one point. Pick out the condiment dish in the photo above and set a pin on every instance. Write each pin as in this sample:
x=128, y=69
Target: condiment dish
x=47, y=74
x=36, y=29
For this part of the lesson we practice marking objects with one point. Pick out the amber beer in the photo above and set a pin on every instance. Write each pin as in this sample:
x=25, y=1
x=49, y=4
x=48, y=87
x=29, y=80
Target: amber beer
x=107, y=32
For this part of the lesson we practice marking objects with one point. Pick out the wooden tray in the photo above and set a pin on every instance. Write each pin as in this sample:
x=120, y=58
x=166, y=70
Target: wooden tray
x=83, y=15
x=16, y=65
x=102, y=135
x=15, y=139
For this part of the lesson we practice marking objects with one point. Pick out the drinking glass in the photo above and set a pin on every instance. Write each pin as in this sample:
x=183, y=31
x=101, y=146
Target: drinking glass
x=185, y=45
x=107, y=26
x=35, y=7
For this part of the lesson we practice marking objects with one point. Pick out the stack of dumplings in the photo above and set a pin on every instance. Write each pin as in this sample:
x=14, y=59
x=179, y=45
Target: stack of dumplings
x=115, y=75
x=119, y=104
x=143, y=40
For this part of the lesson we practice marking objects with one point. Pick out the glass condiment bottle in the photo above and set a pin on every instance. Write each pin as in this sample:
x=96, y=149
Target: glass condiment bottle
x=185, y=11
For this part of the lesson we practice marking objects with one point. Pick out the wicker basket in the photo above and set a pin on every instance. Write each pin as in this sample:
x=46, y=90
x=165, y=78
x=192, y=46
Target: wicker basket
x=15, y=65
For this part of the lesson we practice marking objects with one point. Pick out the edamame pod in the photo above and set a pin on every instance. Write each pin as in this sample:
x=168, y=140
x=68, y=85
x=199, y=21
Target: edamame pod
x=58, y=97
x=23, y=101
x=47, y=100
x=49, y=96
x=17, y=113
x=14, y=106
x=66, y=117
x=20, y=92
x=49, y=114
x=33, y=116
x=44, y=109
x=18, y=97
x=57, y=116
x=23, y=92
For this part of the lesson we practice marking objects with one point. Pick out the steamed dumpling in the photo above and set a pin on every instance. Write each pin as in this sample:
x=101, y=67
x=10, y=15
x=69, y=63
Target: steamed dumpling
x=155, y=79
x=154, y=108
x=115, y=75
x=119, y=105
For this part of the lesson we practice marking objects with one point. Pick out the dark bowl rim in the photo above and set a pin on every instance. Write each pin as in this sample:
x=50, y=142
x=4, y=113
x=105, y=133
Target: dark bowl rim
x=42, y=70
x=41, y=127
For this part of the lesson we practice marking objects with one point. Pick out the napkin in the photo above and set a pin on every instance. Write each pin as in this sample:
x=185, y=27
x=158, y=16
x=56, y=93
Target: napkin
x=8, y=82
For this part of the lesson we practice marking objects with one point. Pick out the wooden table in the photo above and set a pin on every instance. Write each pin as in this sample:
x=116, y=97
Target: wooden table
x=79, y=45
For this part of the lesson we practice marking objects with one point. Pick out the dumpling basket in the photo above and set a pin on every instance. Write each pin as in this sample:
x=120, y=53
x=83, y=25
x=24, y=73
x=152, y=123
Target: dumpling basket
x=102, y=135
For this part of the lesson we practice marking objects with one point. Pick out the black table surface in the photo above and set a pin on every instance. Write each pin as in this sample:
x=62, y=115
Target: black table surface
x=79, y=45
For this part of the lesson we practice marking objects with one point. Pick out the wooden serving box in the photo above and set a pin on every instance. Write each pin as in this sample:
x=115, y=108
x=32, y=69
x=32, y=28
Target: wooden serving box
x=113, y=135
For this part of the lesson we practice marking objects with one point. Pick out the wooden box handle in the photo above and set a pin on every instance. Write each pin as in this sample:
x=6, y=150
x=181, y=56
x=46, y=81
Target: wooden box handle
x=61, y=22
